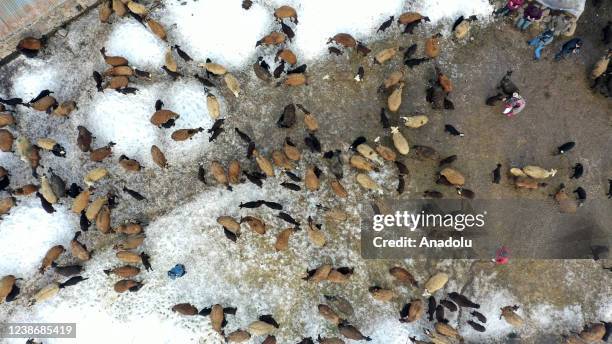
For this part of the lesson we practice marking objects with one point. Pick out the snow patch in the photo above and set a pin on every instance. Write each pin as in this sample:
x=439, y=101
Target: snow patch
x=34, y=76
x=438, y=10
x=188, y=99
x=219, y=30
x=136, y=43
x=227, y=34
x=496, y=297
x=10, y=160
x=96, y=323
x=216, y=270
x=605, y=311
x=551, y=319
x=28, y=232
x=125, y=120
x=391, y=331
x=321, y=19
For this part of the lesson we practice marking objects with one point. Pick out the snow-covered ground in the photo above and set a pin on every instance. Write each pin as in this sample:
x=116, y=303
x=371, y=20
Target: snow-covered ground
x=136, y=134
x=136, y=43
x=212, y=29
x=248, y=274
x=28, y=232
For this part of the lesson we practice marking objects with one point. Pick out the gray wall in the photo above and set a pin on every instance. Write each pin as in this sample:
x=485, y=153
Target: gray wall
x=21, y=18
x=15, y=14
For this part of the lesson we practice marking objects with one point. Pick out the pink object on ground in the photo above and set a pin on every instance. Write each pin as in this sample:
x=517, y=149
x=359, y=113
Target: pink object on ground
x=515, y=4
x=502, y=261
x=502, y=256
x=514, y=105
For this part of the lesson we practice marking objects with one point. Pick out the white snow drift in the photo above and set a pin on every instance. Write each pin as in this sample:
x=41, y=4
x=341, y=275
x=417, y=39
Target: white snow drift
x=136, y=43
x=28, y=232
x=125, y=120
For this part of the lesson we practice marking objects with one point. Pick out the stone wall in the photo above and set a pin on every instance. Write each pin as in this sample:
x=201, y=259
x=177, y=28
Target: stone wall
x=36, y=18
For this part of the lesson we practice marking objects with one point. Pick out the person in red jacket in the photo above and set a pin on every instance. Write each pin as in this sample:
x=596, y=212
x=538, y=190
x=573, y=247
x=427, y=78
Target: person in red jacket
x=511, y=6
x=502, y=256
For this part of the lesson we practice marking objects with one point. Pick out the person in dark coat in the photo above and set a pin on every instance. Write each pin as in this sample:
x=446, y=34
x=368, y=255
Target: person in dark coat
x=507, y=86
x=570, y=47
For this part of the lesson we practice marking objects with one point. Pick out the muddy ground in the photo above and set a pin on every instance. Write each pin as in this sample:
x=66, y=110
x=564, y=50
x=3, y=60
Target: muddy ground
x=560, y=108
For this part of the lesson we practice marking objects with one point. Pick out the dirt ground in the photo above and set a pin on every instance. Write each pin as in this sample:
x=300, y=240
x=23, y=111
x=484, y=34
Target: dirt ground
x=560, y=108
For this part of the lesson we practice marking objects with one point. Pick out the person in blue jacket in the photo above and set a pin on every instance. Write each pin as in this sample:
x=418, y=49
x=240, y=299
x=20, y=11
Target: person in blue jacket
x=570, y=47
x=540, y=41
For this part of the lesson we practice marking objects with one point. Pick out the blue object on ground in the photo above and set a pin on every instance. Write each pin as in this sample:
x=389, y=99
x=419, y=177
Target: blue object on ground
x=541, y=41
x=523, y=23
x=177, y=271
